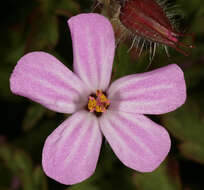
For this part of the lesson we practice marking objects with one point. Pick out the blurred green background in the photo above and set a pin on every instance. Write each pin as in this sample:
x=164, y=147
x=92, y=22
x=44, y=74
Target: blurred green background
x=28, y=25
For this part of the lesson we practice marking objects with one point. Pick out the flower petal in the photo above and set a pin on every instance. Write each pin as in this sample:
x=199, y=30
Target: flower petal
x=71, y=152
x=93, y=46
x=155, y=92
x=42, y=78
x=138, y=142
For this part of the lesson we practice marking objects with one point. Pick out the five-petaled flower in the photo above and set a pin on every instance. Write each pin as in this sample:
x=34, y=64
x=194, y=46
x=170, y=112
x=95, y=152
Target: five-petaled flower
x=115, y=110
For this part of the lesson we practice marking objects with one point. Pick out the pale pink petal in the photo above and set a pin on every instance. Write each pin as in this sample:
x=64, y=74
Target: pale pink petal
x=154, y=92
x=42, y=78
x=93, y=46
x=137, y=141
x=71, y=152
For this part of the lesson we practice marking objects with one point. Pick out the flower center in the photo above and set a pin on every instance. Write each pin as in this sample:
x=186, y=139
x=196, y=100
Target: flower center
x=98, y=102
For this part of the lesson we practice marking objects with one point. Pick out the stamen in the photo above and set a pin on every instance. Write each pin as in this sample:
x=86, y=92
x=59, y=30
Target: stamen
x=99, y=103
x=92, y=104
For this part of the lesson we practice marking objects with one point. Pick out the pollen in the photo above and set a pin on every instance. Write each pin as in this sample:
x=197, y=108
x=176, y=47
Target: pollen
x=98, y=102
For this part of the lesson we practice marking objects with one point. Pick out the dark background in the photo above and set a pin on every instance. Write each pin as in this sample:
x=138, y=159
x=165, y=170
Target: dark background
x=28, y=25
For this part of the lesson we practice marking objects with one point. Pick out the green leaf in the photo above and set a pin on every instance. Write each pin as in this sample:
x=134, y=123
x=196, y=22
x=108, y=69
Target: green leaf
x=22, y=162
x=196, y=27
x=193, y=151
x=6, y=155
x=187, y=124
x=18, y=163
x=43, y=34
x=161, y=178
x=83, y=185
x=194, y=73
x=124, y=64
x=35, y=138
x=6, y=177
x=39, y=179
x=23, y=169
x=190, y=6
x=34, y=113
x=63, y=7
x=67, y=8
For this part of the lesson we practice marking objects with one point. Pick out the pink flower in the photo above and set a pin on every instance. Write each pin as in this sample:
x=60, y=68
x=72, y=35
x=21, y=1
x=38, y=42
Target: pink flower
x=71, y=152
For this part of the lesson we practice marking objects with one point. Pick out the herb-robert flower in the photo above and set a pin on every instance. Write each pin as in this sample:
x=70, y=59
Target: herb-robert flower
x=115, y=110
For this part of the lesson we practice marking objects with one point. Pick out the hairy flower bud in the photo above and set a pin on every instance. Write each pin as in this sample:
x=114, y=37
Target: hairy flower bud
x=146, y=22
